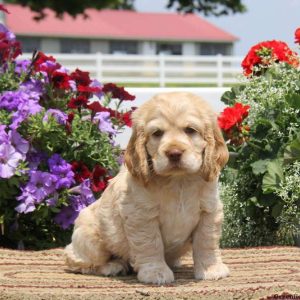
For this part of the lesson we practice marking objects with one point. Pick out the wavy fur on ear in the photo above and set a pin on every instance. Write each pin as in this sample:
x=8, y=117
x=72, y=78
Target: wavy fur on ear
x=136, y=157
x=216, y=153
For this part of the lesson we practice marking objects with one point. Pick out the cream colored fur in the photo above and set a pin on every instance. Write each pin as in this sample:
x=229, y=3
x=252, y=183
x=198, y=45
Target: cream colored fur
x=163, y=203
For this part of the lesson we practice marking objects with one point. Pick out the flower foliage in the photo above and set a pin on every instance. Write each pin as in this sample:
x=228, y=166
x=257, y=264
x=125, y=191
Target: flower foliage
x=265, y=155
x=57, y=144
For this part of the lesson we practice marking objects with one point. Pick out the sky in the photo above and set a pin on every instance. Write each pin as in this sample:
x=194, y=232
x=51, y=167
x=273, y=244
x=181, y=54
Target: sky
x=264, y=20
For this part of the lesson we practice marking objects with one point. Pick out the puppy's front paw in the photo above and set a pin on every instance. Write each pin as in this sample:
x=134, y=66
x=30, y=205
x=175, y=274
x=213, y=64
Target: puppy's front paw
x=212, y=272
x=155, y=273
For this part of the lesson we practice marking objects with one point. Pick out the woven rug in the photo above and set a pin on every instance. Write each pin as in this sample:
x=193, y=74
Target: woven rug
x=256, y=273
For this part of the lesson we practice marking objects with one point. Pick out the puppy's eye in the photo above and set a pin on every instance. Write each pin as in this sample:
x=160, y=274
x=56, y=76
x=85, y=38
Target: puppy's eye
x=158, y=133
x=189, y=130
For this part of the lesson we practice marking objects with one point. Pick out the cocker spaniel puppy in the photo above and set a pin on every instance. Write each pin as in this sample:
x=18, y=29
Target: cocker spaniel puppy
x=163, y=202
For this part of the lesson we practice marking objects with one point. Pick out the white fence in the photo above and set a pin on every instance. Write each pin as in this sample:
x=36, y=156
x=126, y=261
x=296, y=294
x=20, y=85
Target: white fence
x=211, y=95
x=157, y=70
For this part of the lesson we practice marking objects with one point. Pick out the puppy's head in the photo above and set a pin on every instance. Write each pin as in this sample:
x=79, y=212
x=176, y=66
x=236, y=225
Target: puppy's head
x=175, y=134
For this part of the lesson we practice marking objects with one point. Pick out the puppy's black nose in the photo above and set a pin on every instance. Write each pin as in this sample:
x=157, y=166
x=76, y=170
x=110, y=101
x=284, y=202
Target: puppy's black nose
x=174, y=155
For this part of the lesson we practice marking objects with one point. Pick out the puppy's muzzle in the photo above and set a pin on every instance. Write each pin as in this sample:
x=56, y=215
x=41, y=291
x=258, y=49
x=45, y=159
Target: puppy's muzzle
x=174, y=155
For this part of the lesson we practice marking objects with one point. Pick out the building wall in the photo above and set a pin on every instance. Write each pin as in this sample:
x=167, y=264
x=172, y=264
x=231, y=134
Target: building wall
x=50, y=45
x=99, y=46
x=147, y=48
x=189, y=48
x=53, y=45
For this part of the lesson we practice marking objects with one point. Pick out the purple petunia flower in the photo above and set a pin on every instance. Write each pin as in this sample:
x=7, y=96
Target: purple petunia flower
x=34, y=158
x=59, y=116
x=8, y=34
x=66, y=217
x=86, y=193
x=96, y=83
x=10, y=100
x=73, y=85
x=53, y=200
x=34, y=88
x=22, y=66
x=28, y=202
x=40, y=186
x=63, y=171
x=19, y=143
x=24, y=101
x=25, y=109
x=4, y=138
x=9, y=160
x=105, y=124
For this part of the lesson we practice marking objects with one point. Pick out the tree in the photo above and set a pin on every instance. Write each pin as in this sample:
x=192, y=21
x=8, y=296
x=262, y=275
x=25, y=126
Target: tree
x=76, y=7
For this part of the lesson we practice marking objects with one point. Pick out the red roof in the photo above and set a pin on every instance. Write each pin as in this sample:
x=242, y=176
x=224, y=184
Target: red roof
x=113, y=24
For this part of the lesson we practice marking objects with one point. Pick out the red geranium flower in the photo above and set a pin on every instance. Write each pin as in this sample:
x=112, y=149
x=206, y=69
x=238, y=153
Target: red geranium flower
x=81, y=78
x=70, y=117
x=99, y=179
x=69, y=122
x=81, y=171
x=117, y=92
x=8, y=49
x=60, y=80
x=126, y=118
x=233, y=116
x=96, y=107
x=89, y=89
x=266, y=52
x=78, y=102
x=297, y=36
x=45, y=63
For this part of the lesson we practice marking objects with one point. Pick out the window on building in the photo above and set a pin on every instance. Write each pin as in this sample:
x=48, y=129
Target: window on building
x=75, y=46
x=29, y=44
x=169, y=48
x=214, y=49
x=123, y=47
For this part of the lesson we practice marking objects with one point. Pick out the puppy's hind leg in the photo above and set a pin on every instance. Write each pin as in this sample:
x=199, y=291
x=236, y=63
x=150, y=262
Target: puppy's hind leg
x=115, y=267
x=87, y=253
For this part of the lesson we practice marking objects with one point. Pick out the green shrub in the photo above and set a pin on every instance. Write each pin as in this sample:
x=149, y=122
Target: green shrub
x=261, y=182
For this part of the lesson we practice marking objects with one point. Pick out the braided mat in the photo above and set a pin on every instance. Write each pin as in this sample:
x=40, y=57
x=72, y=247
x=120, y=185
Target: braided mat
x=256, y=273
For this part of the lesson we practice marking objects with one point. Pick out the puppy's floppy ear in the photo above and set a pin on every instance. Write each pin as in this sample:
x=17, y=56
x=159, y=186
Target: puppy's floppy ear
x=136, y=157
x=216, y=153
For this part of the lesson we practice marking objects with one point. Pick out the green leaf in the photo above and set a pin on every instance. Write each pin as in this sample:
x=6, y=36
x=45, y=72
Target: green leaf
x=229, y=97
x=293, y=100
x=273, y=177
x=276, y=210
x=260, y=166
x=292, y=151
x=268, y=200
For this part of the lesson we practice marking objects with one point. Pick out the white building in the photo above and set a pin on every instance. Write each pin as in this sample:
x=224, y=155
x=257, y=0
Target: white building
x=110, y=31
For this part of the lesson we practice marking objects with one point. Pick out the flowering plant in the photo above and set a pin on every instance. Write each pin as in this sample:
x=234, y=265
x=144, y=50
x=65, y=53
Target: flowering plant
x=264, y=155
x=57, y=148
